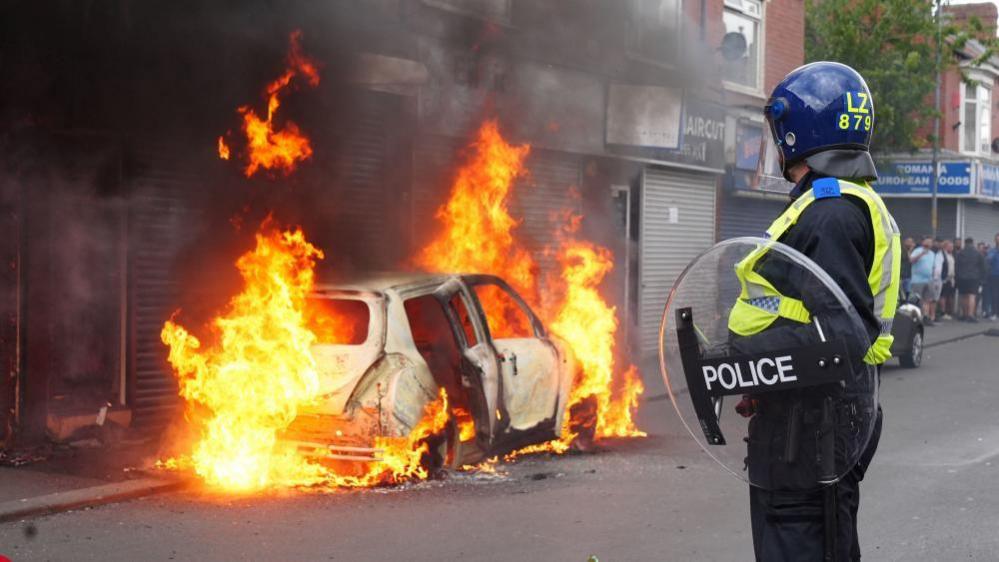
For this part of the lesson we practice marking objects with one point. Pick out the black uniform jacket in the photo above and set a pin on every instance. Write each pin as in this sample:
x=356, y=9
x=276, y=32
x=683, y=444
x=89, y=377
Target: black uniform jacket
x=837, y=234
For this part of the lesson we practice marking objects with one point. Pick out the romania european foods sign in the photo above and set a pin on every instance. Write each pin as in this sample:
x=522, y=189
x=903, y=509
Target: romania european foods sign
x=916, y=178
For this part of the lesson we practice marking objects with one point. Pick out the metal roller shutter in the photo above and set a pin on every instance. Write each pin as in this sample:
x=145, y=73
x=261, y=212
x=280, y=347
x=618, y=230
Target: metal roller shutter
x=435, y=160
x=367, y=201
x=913, y=216
x=665, y=247
x=746, y=216
x=160, y=224
x=540, y=199
x=981, y=221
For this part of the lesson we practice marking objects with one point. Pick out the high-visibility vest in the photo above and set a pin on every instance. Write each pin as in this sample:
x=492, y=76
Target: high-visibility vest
x=760, y=304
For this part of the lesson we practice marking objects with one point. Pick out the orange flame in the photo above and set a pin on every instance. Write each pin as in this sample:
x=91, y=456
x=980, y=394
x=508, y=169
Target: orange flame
x=478, y=230
x=479, y=235
x=277, y=149
x=588, y=324
x=223, y=149
x=247, y=386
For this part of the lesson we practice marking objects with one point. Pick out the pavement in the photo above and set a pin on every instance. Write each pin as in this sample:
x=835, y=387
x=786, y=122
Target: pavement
x=929, y=495
x=58, y=478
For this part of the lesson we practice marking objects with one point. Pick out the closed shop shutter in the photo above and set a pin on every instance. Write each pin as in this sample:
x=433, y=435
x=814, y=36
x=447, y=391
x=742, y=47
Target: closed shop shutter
x=669, y=239
x=746, y=216
x=435, y=161
x=913, y=216
x=541, y=198
x=161, y=221
x=368, y=199
x=981, y=221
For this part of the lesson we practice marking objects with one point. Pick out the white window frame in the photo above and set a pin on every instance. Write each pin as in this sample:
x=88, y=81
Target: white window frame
x=730, y=5
x=981, y=107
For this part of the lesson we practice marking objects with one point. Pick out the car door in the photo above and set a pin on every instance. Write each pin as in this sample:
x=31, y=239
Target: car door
x=529, y=363
x=479, y=364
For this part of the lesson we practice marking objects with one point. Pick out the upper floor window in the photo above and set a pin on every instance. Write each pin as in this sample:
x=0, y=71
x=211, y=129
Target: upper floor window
x=976, y=118
x=655, y=24
x=743, y=66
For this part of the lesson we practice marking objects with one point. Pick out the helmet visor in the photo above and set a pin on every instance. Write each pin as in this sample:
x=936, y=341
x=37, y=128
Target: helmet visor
x=769, y=173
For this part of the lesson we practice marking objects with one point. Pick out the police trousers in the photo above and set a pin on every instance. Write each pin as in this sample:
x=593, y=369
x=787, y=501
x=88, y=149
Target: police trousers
x=790, y=526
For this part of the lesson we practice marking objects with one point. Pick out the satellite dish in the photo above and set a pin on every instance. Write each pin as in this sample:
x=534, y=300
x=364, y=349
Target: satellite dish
x=995, y=144
x=733, y=46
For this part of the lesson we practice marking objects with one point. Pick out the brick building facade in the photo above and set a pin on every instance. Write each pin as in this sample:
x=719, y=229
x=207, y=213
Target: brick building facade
x=968, y=184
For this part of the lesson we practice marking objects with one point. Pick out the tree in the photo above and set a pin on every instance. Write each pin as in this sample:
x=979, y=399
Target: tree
x=892, y=44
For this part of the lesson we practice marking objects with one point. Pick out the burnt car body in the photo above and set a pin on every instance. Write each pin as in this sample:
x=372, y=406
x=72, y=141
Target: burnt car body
x=417, y=333
x=908, y=331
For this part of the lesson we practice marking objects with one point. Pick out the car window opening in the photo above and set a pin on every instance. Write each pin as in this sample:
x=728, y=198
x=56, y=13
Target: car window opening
x=437, y=344
x=505, y=316
x=338, y=321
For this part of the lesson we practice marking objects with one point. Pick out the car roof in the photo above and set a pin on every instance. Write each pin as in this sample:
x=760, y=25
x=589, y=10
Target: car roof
x=381, y=281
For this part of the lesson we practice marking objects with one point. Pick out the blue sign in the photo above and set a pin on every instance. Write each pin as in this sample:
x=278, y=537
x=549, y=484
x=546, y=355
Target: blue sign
x=990, y=180
x=916, y=178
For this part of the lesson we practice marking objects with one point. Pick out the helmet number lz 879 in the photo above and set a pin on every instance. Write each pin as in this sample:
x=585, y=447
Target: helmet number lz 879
x=858, y=114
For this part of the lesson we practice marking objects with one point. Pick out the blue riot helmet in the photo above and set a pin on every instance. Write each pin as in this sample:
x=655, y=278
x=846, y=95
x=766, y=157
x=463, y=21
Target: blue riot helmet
x=823, y=114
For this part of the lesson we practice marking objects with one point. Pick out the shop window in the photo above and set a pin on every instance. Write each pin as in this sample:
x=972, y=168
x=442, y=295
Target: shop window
x=743, y=20
x=654, y=29
x=976, y=118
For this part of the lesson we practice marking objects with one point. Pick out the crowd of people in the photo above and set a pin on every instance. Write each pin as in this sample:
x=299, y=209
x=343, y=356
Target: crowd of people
x=953, y=278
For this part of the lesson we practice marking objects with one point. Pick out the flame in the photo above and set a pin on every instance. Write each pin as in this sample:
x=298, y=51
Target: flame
x=588, y=324
x=246, y=387
x=248, y=384
x=478, y=234
x=466, y=425
x=223, y=149
x=270, y=148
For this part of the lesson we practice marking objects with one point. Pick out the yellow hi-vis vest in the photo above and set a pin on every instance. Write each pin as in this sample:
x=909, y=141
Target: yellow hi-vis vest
x=760, y=304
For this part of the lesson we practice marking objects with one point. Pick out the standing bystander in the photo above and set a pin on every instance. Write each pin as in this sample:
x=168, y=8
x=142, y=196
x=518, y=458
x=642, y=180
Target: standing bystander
x=925, y=272
x=907, y=245
x=969, y=268
x=947, y=280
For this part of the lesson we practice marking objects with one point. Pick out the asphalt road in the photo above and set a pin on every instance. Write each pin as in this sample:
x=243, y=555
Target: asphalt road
x=931, y=494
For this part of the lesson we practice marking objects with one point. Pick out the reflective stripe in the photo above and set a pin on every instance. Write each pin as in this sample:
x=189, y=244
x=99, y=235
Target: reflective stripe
x=770, y=304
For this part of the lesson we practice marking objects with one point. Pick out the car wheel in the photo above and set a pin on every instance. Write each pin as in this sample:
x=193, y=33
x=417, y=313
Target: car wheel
x=444, y=450
x=914, y=357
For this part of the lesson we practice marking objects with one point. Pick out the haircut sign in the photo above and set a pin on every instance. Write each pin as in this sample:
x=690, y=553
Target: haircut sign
x=801, y=388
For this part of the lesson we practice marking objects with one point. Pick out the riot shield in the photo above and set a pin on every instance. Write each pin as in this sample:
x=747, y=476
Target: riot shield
x=762, y=355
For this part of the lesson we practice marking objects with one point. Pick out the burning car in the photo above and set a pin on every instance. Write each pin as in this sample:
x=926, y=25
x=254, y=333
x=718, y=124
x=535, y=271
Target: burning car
x=401, y=338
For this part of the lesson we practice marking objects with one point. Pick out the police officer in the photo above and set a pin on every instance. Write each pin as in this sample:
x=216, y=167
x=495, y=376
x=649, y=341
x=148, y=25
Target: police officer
x=821, y=117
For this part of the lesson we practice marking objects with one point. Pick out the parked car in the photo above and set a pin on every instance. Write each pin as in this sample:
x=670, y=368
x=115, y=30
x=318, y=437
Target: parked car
x=409, y=335
x=908, y=331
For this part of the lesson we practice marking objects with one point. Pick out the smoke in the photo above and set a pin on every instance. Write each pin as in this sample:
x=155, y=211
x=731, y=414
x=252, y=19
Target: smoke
x=137, y=93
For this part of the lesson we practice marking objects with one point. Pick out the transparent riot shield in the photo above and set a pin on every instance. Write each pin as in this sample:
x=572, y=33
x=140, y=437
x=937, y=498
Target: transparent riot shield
x=762, y=355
